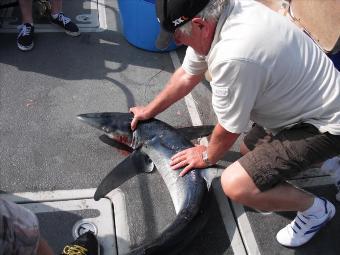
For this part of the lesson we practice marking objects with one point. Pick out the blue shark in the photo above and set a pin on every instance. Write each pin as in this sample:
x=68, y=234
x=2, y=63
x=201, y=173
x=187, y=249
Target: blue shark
x=153, y=143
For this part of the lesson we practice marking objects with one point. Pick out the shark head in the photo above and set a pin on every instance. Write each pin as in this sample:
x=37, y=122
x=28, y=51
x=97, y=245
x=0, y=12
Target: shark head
x=115, y=124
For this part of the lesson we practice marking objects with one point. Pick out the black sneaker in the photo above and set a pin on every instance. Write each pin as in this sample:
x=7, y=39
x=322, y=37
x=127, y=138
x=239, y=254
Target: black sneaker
x=25, y=37
x=86, y=244
x=67, y=24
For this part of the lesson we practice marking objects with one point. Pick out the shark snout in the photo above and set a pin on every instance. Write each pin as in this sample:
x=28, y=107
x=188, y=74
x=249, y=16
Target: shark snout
x=109, y=122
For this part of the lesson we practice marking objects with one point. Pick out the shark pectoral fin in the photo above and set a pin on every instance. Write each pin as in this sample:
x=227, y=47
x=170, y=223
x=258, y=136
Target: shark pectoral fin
x=134, y=164
x=195, y=132
x=211, y=173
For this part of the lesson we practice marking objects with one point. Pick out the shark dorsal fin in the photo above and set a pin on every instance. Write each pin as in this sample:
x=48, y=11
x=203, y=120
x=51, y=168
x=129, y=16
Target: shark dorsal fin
x=194, y=132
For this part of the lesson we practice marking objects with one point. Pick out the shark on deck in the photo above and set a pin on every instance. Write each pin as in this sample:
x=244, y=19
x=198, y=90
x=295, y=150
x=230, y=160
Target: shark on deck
x=153, y=143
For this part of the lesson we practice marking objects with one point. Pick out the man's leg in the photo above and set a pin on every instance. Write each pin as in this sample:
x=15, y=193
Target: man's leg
x=239, y=186
x=26, y=30
x=312, y=212
x=257, y=179
x=257, y=136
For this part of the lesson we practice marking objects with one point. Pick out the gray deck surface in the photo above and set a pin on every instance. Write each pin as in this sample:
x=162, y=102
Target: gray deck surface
x=44, y=148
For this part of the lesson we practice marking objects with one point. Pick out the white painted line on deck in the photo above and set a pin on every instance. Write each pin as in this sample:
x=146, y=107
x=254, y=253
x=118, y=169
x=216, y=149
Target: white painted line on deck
x=232, y=230
x=246, y=230
x=121, y=221
x=102, y=15
x=228, y=220
x=189, y=100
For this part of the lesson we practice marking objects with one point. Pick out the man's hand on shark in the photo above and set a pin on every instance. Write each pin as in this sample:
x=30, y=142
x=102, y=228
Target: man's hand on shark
x=189, y=159
x=139, y=113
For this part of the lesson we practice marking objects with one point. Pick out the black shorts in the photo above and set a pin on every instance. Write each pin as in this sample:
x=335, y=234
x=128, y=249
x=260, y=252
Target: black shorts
x=274, y=159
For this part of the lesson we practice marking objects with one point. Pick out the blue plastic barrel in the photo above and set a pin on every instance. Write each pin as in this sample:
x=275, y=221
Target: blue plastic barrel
x=140, y=24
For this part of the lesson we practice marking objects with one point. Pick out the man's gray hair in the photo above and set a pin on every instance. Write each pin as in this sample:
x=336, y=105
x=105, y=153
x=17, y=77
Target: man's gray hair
x=212, y=11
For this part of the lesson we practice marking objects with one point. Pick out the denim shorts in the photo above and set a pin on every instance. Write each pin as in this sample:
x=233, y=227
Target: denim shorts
x=274, y=159
x=19, y=230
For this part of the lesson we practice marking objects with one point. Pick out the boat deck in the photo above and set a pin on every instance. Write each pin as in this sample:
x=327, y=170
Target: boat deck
x=52, y=163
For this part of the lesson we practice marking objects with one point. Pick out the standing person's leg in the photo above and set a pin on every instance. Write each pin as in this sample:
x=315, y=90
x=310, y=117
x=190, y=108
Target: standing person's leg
x=257, y=179
x=26, y=11
x=61, y=20
x=26, y=30
x=56, y=6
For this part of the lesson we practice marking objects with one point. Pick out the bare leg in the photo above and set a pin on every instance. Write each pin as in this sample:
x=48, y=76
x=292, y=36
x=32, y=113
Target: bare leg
x=43, y=248
x=239, y=186
x=26, y=11
x=56, y=6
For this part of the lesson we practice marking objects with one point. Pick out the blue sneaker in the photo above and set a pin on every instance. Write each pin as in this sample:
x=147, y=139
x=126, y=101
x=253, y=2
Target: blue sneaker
x=25, y=37
x=303, y=228
x=67, y=24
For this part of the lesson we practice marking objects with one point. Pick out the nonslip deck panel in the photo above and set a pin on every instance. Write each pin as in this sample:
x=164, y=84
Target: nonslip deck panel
x=56, y=227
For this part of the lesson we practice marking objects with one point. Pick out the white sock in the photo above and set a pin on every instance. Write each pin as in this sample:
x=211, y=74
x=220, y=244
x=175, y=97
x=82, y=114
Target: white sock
x=317, y=209
x=54, y=16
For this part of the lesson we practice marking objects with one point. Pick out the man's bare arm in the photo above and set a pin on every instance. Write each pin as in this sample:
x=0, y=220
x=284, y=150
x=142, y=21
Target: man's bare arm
x=179, y=85
x=220, y=142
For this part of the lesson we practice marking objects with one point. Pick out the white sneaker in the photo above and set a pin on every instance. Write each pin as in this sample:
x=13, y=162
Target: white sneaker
x=303, y=228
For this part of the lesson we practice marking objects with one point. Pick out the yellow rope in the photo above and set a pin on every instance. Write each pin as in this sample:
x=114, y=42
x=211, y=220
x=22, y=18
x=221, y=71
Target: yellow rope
x=74, y=250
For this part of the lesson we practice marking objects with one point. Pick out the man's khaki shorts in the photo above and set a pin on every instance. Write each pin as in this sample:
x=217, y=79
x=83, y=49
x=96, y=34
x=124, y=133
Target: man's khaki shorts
x=19, y=230
x=274, y=159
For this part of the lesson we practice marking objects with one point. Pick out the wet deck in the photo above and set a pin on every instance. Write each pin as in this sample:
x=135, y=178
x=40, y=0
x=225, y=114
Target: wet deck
x=50, y=162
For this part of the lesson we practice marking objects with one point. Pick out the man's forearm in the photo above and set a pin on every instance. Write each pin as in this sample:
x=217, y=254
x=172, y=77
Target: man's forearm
x=220, y=142
x=178, y=87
